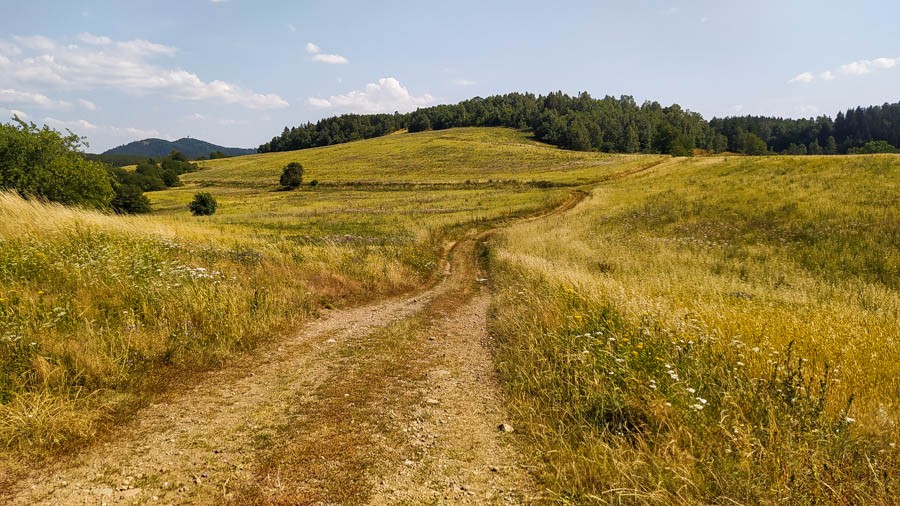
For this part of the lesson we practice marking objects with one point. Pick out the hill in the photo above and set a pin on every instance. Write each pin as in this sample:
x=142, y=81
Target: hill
x=194, y=149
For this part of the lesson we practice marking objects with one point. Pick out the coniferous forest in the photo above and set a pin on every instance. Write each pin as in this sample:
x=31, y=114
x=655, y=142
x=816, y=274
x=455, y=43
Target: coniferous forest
x=619, y=125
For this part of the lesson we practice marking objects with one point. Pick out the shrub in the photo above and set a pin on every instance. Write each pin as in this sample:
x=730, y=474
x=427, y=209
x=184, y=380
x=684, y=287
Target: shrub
x=130, y=199
x=314, y=182
x=44, y=163
x=292, y=176
x=204, y=204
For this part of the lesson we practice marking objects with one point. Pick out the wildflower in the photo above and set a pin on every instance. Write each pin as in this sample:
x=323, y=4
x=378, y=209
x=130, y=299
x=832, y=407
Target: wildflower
x=741, y=364
x=702, y=400
x=691, y=390
x=640, y=346
x=849, y=420
x=669, y=404
x=755, y=349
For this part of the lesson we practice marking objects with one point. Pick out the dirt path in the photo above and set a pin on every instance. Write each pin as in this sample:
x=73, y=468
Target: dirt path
x=395, y=402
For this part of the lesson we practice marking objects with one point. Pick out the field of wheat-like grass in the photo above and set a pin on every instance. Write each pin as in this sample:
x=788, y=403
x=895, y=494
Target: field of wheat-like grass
x=99, y=312
x=712, y=330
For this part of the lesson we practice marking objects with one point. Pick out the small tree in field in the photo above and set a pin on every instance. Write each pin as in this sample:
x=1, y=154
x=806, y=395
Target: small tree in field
x=204, y=204
x=292, y=176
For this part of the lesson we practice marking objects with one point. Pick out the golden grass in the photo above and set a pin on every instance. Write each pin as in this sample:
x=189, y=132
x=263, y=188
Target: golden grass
x=98, y=312
x=713, y=330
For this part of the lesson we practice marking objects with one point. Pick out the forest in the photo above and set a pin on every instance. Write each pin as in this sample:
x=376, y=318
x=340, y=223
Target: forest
x=619, y=125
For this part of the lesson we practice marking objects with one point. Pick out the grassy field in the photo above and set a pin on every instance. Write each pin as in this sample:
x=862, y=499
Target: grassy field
x=708, y=330
x=715, y=330
x=98, y=312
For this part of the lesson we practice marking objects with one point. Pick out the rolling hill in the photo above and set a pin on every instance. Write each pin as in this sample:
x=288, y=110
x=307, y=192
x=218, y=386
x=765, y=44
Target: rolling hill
x=191, y=148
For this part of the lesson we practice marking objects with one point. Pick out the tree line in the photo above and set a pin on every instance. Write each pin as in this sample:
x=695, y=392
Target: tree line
x=619, y=125
x=43, y=163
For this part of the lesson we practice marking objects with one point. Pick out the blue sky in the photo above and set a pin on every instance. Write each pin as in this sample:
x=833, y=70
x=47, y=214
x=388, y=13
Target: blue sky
x=235, y=72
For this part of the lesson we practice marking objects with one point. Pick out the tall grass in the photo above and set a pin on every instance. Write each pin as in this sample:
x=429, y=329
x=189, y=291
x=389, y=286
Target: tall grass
x=714, y=330
x=98, y=312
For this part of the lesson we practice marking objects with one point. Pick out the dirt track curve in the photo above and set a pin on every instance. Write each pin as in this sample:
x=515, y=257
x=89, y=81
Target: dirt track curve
x=394, y=402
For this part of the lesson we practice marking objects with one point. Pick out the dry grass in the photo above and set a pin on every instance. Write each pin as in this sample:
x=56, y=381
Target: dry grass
x=100, y=312
x=714, y=330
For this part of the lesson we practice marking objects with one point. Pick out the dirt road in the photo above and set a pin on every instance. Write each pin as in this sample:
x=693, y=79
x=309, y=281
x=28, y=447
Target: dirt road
x=396, y=402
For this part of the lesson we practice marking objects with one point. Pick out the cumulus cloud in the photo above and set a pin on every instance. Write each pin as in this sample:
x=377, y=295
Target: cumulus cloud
x=387, y=95
x=12, y=96
x=861, y=67
x=87, y=104
x=319, y=56
x=102, y=63
x=94, y=40
x=133, y=133
x=806, y=77
x=855, y=68
x=6, y=114
x=78, y=125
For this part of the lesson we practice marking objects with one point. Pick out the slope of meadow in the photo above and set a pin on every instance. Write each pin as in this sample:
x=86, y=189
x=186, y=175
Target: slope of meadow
x=98, y=312
x=712, y=330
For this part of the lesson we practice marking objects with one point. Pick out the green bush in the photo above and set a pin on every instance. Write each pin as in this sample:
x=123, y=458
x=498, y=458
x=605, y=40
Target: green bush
x=292, y=176
x=130, y=199
x=204, y=204
x=41, y=162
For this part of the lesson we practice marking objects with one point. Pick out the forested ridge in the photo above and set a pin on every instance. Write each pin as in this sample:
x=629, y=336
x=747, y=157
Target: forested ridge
x=619, y=125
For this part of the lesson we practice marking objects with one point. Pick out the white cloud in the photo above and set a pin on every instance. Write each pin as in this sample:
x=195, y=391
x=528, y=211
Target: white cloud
x=387, y=95
x=806, y=77
x=856, y=68
x=122, y=65
x=334, y=59
x=219, y=1
x=135, y=133
x=75, y=125
x=9, y=48
x=808, y=110
x=229, y=122
x=291, y=27
x=87, y=104
x=738, y=108
x=464, y=82
x=38, y=42
x=318, y=56
x=94, y=40
x=7, y=114
x=195, y=117
x=704, y=19
x=12, y=96
x=860, y=67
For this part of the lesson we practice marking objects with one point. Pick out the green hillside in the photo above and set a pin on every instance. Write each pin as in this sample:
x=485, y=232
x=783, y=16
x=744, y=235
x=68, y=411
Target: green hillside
x=157, y=148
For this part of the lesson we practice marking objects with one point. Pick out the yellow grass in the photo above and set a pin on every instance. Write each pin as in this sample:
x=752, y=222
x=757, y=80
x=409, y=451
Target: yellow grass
x=669, y=340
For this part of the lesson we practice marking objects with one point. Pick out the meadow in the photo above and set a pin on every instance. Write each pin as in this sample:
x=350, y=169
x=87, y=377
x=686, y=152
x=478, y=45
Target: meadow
x=714, y=330
x=698, y=330
x=100, y=313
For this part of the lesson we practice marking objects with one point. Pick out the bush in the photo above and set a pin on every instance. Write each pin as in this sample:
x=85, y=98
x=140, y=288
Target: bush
x=41, y=162
x=873, y=147
x=292, y=176
x=130, y=199
x=204, y=204
x=314, y=182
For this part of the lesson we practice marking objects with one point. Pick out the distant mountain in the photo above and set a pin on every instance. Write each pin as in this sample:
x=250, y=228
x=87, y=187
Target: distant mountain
x=194, y=149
